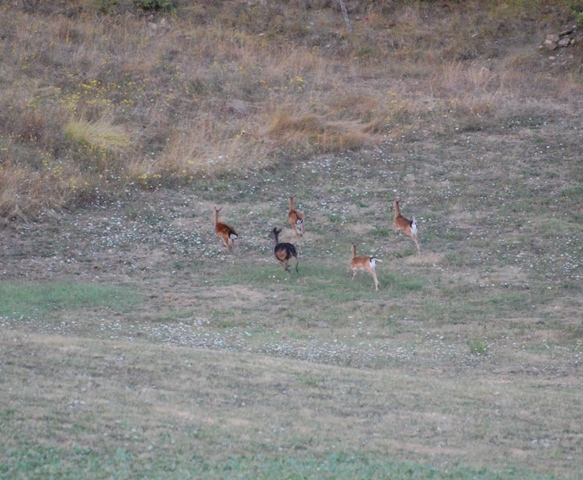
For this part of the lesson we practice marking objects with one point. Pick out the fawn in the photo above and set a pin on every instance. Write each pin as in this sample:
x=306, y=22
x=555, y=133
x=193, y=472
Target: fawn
x=364, y=263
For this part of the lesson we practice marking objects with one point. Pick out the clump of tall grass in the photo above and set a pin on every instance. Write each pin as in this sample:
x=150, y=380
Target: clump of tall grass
x=310, y=133
x=97, y=135
x=477, y=347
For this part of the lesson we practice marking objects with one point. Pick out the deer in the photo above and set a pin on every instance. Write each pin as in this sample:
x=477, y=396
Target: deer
x=296, y=218
x=366, y=264
x=405, y=225
x=284, y=252
x=224, y=231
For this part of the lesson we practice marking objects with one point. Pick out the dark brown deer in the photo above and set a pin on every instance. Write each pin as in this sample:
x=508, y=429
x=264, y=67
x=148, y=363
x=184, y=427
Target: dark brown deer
x=284, y=252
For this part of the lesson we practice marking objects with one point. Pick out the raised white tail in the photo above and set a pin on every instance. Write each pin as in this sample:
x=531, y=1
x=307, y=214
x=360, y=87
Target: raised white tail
x=296, y=218
x=405, y=225
x=225, y=232
x=367, y=264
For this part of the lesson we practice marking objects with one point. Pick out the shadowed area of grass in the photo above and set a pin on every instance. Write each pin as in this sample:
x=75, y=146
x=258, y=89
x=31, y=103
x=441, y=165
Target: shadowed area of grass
x=36, y=461
x=37, y=299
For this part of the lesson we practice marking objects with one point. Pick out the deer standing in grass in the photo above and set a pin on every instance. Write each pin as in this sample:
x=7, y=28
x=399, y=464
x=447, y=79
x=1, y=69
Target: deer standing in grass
x=367, y=264
x=224, y=231
x=284, y=252
x=405, y=225
x=296, y=218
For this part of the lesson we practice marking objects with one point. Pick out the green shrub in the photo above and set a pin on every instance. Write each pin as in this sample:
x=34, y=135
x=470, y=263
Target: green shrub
x=150, y=5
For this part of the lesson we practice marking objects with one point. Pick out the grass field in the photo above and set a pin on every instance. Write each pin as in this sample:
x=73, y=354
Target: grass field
x=132, y=345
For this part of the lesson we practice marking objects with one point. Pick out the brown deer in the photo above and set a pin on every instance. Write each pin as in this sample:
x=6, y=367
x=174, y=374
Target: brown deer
x=224, y=231
x=367, y=264
x=296, y=218
x=284, y=252
x=405, y=225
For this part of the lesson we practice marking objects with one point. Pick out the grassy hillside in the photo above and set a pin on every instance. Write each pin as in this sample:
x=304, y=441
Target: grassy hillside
x=99, y=97
x=132, y=345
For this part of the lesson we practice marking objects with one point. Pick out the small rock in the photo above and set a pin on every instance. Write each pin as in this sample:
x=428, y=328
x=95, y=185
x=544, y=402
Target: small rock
x=550, y=45
x=564, y=42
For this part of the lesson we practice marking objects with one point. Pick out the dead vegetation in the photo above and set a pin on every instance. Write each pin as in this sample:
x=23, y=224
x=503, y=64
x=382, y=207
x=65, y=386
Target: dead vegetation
x=98, y=97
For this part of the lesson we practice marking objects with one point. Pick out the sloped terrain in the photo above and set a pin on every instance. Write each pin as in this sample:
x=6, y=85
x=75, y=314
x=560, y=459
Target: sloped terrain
x=133, y=345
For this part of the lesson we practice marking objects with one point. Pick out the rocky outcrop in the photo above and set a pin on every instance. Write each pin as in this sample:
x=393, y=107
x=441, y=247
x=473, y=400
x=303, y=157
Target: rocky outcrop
x=561, y=40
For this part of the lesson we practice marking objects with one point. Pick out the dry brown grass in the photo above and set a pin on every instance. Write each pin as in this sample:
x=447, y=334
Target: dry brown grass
x=235, y=85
